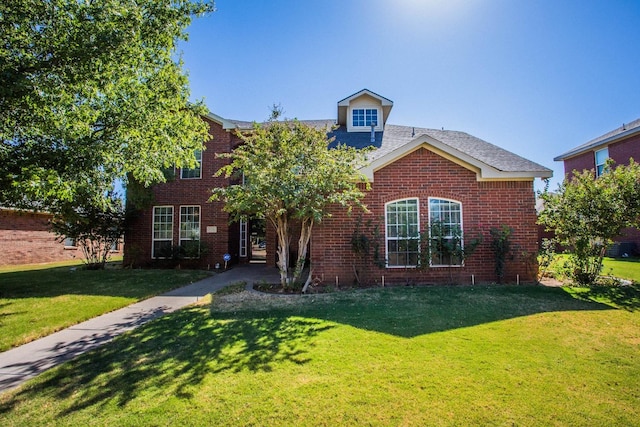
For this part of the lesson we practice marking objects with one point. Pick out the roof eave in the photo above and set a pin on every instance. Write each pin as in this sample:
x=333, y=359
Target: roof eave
x=596, y=144
x=484, y=172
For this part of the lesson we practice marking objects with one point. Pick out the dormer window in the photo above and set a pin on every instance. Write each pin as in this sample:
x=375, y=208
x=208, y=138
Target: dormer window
x=365, y=117
x=364, y=110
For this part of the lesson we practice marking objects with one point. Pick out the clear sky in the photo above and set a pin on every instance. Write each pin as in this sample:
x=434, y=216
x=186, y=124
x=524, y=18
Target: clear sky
x=536, y=77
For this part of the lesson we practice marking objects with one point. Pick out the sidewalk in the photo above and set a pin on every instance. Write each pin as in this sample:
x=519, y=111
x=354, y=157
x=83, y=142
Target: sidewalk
x=27, y=361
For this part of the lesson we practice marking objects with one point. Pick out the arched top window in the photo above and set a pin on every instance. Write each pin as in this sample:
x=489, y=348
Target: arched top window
x=445, y=232
x=402, y=231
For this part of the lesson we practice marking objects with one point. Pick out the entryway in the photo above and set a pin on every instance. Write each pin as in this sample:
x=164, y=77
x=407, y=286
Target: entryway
x=258, y=241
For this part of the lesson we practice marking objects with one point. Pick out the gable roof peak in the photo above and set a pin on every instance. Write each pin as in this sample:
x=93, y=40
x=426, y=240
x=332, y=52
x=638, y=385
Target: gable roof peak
x=344, y=104
x=384, y=101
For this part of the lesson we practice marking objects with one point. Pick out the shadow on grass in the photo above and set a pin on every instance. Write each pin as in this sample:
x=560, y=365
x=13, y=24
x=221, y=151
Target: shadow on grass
x=73, y=280
x=171, y=355
x=174, y=354
x=413, y=311
x=625, y=297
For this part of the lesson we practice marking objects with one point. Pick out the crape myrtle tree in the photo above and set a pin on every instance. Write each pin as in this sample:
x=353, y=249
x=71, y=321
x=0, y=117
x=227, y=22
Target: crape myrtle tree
x=290, y=175
x=91, y=92
x=587, y=213
x=94, y=224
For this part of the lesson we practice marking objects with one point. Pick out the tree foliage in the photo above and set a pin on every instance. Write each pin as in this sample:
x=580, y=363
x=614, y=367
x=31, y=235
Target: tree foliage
x=290, y=175
x=95, y=224
x=91, y=91
x=587, y=213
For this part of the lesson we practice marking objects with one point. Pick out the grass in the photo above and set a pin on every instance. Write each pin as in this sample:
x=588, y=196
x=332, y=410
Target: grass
x=623, y=268
x=483, y=355
x=38, y=300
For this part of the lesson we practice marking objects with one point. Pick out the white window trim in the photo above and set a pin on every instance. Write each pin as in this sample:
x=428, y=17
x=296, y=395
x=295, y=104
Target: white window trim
x=70, y=243
x=352, y=128
x=153, y=225
x=199, y=168
x=243, y=238
x=595, y=159
x=386, y=238
x=180, y=238
x=461, y=229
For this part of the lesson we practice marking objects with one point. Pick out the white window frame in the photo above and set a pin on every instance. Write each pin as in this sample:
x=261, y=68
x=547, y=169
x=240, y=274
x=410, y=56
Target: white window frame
x=460, y=224
x=367, y=121
x=600, y=160
x=182, y=234
x=198, y=155
x=352, y=127
x=243, y=238
x=396, y=238
x=164, y=237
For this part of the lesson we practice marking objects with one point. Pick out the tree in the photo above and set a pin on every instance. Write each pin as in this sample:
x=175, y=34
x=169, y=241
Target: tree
x=587, y=213
x=95, y=224
x=89, y=92
x=290, y=174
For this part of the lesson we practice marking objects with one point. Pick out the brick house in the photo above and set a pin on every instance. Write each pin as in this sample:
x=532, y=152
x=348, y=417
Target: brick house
x=620, y=145
x=418, y=177
x=27, y=239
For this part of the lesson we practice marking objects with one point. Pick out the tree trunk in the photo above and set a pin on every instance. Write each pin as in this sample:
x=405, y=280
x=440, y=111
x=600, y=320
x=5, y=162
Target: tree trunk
x=281, y=225
x=303, y=244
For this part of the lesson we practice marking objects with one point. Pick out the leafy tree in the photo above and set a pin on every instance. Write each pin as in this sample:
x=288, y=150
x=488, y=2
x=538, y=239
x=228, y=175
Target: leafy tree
x=95, y=223
x=91, y=91
x=290, y=175
x=587, y=213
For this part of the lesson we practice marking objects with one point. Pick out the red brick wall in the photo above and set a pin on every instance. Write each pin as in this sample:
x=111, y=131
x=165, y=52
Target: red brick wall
x=620, y=152
x=424, y=174
x=25, y=239
x=182, y=192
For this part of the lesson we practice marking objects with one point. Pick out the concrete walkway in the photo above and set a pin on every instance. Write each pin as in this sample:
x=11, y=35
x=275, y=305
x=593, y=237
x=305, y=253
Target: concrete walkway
x=22, y=363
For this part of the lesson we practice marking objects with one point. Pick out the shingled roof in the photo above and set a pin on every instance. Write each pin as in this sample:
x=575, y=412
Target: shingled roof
x=624, y=131
x=491, y=161
x=396, y=139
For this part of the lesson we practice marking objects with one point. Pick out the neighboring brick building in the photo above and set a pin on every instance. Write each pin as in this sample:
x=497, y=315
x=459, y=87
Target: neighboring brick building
x=418, y=177
x=27, y=239
x=620, y=145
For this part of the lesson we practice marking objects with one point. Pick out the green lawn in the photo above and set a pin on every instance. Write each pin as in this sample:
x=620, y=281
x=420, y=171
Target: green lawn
x=624, y=268
x=483, y=355
x=38, y=300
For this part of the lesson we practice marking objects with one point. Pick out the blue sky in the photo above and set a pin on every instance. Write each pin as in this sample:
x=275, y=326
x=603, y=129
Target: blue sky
x=536, y=77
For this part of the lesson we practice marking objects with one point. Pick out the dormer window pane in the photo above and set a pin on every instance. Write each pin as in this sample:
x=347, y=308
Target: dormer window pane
x=371, y=117
x=365, y=117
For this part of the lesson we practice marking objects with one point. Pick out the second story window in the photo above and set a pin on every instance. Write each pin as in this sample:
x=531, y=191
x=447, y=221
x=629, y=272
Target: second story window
x=601, y=160
x=365, y=117
x=186, y=173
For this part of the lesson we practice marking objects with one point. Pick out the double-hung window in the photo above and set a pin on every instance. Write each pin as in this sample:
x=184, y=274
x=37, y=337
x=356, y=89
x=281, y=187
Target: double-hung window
x=365, y=117
x=162, y=231
x=187, y=173
x=601, y=160
x=402, y=233
x=445, y=232
x=190, y=231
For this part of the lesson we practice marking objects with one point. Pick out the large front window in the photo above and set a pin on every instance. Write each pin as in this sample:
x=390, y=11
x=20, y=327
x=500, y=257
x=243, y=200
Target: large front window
x=365, y=117
x=190, y=231
x=162, y=231
x=186, y=173
x=402, y=233
x=445, y=232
